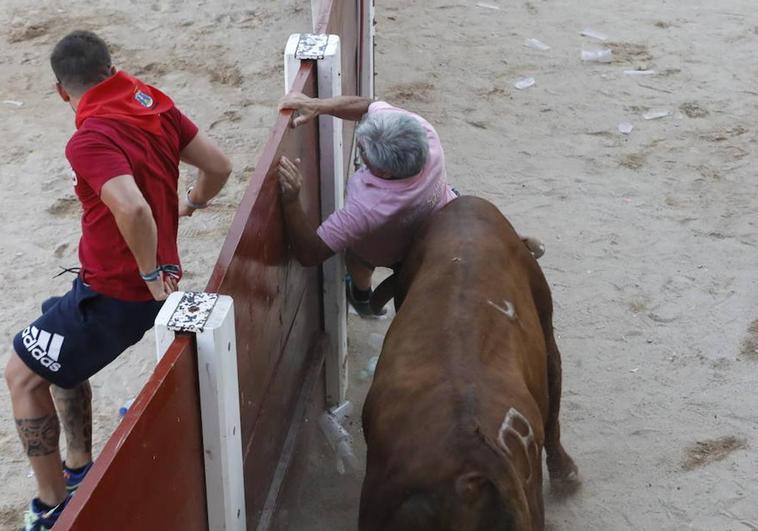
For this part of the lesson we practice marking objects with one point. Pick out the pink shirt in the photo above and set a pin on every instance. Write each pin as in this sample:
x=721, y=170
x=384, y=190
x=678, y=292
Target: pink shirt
x=380, y=216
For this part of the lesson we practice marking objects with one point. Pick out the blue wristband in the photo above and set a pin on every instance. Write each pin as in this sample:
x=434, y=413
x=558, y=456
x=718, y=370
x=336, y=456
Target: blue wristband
x=152, y=276
x=170, y=269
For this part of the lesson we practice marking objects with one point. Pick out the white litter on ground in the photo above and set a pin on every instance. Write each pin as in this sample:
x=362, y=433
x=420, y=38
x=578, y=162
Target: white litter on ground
x=536, y=45
x=639, y=72
x=625, y=128
x=654, y=115
x=338, y=437
x=523, y=83
x=592, y=34
x=597, y=56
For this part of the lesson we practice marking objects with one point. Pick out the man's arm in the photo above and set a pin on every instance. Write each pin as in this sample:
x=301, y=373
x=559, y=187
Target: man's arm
x=310, y=249
x=345, y=107
x=214, y=169
x=136, y=223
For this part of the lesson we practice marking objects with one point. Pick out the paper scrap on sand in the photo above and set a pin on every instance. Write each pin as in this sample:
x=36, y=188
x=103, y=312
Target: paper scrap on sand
x=654, y=115
x=488, y=6
x=524, y=83
x=13, y=102
x=592, y=34
x=598, y=56
x=536, y=45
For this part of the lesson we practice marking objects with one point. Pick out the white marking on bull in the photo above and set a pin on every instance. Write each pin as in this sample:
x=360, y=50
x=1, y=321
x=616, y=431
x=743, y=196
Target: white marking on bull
x=509, y=310
x=527, y=441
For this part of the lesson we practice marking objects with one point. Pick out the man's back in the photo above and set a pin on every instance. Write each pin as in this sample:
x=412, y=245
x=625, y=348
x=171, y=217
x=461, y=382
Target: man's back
x=113, y=141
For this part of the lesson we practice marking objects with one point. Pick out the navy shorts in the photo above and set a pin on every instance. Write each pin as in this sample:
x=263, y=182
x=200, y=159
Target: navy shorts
x=80, y=333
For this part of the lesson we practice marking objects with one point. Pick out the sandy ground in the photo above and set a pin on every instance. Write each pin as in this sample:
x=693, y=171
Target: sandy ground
x=650, y=237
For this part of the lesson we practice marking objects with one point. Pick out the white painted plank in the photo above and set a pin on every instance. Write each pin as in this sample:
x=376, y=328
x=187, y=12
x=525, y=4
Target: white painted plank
x=219, y=409
x=332, y=198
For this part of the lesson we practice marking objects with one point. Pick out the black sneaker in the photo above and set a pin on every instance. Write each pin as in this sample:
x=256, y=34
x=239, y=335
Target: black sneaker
x=363, y=307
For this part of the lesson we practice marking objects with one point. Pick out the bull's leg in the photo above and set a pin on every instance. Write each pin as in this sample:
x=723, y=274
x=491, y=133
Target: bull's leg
x=559, y=463
x=538, y=507
x=383, y=293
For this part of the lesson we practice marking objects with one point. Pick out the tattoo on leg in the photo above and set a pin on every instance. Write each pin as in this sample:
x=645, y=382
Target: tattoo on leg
x=39, y=436
x=75, y=409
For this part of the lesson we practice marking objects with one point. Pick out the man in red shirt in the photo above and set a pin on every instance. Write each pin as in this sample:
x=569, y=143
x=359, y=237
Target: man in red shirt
x=125, y=155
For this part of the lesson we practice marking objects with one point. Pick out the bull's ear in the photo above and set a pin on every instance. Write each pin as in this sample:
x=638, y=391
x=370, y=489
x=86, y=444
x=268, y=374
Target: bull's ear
x=469, y=486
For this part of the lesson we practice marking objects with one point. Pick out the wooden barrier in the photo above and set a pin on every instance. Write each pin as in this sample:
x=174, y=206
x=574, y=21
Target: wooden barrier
x=278, y=310
x=152, y=461
x=150, y=474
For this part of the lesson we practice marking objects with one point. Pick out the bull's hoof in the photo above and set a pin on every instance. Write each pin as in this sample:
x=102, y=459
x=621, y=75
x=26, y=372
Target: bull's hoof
x=565, y=484
x=535, y=246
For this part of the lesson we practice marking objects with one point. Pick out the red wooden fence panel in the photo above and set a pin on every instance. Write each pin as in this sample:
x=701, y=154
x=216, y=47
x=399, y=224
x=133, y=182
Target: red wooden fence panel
x=150, y=473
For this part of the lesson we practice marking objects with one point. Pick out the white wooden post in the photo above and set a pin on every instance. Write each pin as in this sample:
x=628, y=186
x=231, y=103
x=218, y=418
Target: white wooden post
x=326, y=50
x=332, y=199
x=315, y=10
x=367, y=49
x=291, y=64
x=211, y=318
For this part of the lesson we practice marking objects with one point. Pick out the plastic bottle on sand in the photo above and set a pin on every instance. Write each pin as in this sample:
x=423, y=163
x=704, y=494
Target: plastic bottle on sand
x=123, y=409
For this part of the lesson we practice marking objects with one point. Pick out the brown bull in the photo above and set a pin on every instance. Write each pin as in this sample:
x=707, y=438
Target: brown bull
x=468, y=386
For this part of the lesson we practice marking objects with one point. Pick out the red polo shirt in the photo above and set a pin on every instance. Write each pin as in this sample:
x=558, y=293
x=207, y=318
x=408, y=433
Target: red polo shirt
x=125, y=127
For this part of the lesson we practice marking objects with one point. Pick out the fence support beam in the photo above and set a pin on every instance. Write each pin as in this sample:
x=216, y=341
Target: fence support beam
x=211, y=318
x=332, y=171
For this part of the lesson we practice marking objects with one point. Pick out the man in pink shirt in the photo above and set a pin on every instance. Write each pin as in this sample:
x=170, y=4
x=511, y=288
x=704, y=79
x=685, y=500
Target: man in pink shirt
x=402, y=182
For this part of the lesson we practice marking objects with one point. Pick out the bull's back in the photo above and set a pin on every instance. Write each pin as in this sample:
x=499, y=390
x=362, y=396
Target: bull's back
x=465, y=346
x=468, y=287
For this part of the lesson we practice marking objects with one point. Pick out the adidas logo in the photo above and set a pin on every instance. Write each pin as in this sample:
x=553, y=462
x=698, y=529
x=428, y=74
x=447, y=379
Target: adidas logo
x=43, y=346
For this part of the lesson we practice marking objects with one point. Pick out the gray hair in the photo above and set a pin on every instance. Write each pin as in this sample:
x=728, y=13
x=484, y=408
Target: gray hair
x=393, y=142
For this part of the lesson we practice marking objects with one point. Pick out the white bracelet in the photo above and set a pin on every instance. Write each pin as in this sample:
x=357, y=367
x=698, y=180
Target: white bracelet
x=192, y=205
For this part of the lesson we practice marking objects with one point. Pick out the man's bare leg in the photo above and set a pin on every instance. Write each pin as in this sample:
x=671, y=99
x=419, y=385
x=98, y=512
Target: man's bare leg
x=38, y=428
x=360, y=292
x=75, y=412
x=359, y=272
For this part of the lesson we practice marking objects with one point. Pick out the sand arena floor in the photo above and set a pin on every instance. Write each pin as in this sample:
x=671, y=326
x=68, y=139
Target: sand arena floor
x=651, y=237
